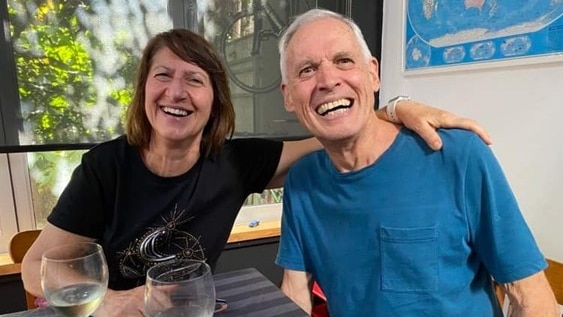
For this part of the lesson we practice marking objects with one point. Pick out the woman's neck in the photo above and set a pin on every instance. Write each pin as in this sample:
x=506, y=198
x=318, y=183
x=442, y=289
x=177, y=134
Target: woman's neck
x=169, y=160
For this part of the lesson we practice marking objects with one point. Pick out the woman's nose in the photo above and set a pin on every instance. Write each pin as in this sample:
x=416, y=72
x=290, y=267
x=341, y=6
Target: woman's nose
x=176, y=89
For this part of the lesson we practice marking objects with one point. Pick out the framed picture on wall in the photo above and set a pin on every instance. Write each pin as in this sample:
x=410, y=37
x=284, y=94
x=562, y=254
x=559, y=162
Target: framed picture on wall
x=441, y=34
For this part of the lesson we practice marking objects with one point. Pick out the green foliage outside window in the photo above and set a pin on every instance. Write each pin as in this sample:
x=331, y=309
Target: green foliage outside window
x=75, y=82
x=58, y=78
x=59, y=83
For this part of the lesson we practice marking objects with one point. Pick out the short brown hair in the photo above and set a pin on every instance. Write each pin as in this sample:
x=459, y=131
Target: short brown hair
x=194, y=49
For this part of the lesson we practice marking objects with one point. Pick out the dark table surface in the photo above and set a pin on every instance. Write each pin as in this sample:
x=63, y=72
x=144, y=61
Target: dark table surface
x=248, y=293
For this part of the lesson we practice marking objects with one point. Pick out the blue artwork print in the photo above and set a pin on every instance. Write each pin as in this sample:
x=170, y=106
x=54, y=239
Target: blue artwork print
x=453, y=32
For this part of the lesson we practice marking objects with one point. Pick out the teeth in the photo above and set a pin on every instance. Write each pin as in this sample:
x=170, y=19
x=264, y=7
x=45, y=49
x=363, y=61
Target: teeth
x=175, y=111
x=335, y=112
x=324, y=108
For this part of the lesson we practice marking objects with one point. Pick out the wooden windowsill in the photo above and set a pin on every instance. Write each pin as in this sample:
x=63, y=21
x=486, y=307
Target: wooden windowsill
x=240, y=233
x=266, y=229
x=5, y=259
x=10, y=269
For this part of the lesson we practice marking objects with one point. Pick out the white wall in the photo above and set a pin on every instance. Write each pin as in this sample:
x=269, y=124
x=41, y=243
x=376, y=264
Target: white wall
x=520, y=106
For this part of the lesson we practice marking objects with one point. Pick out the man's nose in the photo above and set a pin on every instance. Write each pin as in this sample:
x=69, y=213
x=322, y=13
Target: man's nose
x=327, y=77
x=176, y=89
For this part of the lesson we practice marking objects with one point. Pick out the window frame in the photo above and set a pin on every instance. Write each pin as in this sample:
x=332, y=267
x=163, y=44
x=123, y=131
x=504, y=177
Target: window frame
x=10, y=121
x=16, y=202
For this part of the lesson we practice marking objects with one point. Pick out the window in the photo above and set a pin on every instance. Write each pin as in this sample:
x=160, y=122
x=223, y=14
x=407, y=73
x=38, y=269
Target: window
x=70, y=67
x=67, y=68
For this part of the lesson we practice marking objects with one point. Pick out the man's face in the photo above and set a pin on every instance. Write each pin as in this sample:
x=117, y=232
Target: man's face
x=330, y=85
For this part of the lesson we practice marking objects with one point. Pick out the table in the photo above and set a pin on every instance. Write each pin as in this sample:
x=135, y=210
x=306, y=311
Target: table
x=247, y=291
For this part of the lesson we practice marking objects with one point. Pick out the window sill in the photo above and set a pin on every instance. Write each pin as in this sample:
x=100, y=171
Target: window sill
x=10, y=269
x=240, y=233
x=5, y=259
x=267, y=217
x=267, y=229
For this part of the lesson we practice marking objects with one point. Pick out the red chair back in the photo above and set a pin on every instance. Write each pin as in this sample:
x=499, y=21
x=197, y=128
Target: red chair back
x=320, y=308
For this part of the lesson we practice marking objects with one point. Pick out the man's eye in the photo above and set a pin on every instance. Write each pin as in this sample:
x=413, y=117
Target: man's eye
x=306, y=71
x=345, y=60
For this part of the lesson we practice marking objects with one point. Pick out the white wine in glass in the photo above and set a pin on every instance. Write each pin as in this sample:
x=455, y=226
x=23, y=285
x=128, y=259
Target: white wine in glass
x=74, y=278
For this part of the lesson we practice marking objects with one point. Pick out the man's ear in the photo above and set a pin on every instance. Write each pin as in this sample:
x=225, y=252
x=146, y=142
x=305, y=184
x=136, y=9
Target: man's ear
x=374, y=73
x=287, y=102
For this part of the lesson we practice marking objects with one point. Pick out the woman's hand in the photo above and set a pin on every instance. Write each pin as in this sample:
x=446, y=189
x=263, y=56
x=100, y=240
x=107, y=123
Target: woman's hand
x=424, y=120
x=122, y=303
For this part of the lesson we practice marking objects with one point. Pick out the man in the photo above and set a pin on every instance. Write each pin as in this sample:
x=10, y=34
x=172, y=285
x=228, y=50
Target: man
x=386, y=226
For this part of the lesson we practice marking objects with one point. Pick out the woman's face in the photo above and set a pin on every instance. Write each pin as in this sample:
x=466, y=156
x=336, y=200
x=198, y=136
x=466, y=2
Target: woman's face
x=178, y=100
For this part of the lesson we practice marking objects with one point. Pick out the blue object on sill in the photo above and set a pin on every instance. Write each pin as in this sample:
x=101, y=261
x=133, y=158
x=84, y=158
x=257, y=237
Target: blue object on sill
x=254, y=223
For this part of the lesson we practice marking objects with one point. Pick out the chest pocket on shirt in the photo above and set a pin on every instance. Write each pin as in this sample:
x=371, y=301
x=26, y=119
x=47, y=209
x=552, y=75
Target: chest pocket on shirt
x=409, y=259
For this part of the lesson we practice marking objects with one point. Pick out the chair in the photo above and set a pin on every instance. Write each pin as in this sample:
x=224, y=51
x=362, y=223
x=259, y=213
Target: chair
x=19, y=244
x=499, y=292
x=554, y=274
x=320, y=308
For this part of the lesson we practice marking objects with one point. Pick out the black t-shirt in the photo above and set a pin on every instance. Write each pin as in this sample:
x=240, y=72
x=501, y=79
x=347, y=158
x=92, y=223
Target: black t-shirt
x=142, y=219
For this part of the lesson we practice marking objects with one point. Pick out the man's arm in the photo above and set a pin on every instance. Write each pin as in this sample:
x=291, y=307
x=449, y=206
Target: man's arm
x=297, y=285
x=531, y=296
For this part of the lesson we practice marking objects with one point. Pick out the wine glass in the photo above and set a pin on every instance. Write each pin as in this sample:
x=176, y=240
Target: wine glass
x=180, y=288
x=74, y=278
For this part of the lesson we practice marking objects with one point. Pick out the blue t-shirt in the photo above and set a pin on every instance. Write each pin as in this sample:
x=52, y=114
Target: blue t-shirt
x=417, y=233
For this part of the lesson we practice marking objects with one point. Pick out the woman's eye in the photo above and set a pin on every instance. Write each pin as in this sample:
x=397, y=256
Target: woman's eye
x=161, y=75
x=195, y=81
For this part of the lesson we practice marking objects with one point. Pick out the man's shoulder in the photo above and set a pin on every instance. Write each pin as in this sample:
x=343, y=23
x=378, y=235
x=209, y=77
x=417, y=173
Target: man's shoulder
x=451, y=138
x=459, y=134
x=310, y=163
x=313, y=158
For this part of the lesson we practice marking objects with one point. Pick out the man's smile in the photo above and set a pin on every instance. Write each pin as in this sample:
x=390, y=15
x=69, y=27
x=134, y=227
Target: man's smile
x=334, y=106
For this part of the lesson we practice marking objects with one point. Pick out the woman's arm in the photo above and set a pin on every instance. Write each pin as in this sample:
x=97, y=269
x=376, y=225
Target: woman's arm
x=49, y=237
x=115, y=303
x=424, y=120
x=416, y=116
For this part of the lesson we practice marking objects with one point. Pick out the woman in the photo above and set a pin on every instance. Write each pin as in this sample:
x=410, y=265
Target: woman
x=172, y=187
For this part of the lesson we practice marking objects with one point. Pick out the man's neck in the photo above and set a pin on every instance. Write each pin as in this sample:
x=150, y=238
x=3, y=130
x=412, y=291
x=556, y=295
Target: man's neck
x=364, y=149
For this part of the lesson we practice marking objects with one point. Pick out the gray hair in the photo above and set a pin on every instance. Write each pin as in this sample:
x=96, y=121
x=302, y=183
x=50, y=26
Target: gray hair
x=313, y=16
